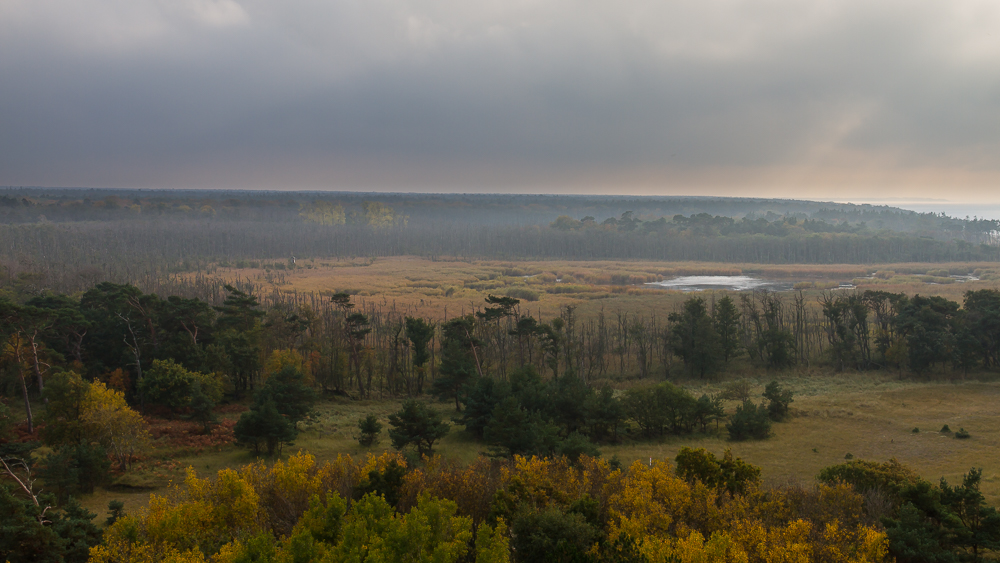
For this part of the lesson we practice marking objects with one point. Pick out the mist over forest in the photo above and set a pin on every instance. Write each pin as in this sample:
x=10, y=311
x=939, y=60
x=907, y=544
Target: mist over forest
x=74, y=237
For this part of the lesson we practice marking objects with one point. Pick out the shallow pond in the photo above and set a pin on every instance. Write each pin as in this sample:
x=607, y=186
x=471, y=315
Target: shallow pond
x=736, y=283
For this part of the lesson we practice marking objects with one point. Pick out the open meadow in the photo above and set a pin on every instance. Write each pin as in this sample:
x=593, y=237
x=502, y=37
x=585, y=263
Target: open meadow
x=871, y=417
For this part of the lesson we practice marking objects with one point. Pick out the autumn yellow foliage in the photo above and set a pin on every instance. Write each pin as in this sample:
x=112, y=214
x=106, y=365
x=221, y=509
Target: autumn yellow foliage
x=301, y=510
x=109, y=419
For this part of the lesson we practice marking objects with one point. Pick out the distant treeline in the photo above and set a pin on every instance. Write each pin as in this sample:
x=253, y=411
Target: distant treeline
x=74, y=256
x=20, y=205
x=76, y=238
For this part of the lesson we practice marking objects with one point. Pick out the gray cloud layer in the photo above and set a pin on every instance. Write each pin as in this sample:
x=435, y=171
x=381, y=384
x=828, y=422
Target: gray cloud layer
x=529, y=94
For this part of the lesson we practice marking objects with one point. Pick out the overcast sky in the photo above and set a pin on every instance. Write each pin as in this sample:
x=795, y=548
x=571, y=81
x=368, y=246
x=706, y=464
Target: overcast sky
x=810, y=99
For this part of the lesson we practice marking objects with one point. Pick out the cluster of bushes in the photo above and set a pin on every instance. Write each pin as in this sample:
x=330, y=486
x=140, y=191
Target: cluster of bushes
x=924, y=521
x=532, y=416
x=522, y=509
x=278, y=406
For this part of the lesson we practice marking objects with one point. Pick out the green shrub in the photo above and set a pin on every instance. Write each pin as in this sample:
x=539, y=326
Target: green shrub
x=202, y=407
x=513, y=430
x=778, y=401
x=370, y=429
x=116, y=509
x=388, y=483
x=169, y=384
x=74, y=470
x=749, y=422
x=576, y=445
x=551, y=535
x=661, y=408
x=962, y=434
x=733, y=475
x=416, y=424
x=945, y=428
x=263, y=427
x=292, y=397
x=522, y=293
x=890, y=478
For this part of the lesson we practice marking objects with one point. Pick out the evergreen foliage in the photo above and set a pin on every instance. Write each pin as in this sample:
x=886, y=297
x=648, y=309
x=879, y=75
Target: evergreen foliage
x=72, y=470
x=513, y=430
x=726, y=320
x=730, y=474
x=32, y=533
x=552, y=535
x=418, y=425
x=778, y=400
x=458, y=359
x=370, y=429
x=169, y=384
x=264, y=428
x=387, y=483
x=749, y=422
x=202, y=407
x=695, y=339
x=481, y=397
x=290, y=393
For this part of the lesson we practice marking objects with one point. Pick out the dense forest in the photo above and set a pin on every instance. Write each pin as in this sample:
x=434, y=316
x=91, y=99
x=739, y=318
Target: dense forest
x=373, y=349
x=76, y=238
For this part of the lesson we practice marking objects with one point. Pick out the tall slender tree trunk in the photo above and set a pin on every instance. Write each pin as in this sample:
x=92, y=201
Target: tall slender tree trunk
x=24, y=382
x=36, y=363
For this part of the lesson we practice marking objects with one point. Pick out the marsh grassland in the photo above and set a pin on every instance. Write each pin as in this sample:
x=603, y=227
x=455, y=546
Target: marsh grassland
x=447, y=287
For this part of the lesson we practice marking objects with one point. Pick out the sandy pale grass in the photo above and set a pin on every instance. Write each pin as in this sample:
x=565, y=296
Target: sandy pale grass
x=446, y=288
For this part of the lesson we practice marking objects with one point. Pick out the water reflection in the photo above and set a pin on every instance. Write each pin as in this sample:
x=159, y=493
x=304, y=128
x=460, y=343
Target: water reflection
x=736, y=283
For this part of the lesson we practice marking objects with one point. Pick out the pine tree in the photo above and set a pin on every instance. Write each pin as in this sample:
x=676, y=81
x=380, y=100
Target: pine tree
x=458, y=360
x=726, y=319
x=416, y=424
x=264, y=427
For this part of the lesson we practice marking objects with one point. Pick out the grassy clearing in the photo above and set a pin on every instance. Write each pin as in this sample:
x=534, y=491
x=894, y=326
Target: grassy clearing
x=868, y=417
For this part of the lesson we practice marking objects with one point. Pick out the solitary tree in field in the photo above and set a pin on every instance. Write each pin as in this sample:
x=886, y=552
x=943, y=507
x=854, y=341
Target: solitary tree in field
x=370, y=428
x=416, y=424
x=778, y=401
x=263, y=427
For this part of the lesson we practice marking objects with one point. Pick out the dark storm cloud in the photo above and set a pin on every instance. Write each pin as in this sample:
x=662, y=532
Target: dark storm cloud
x=385, y=93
